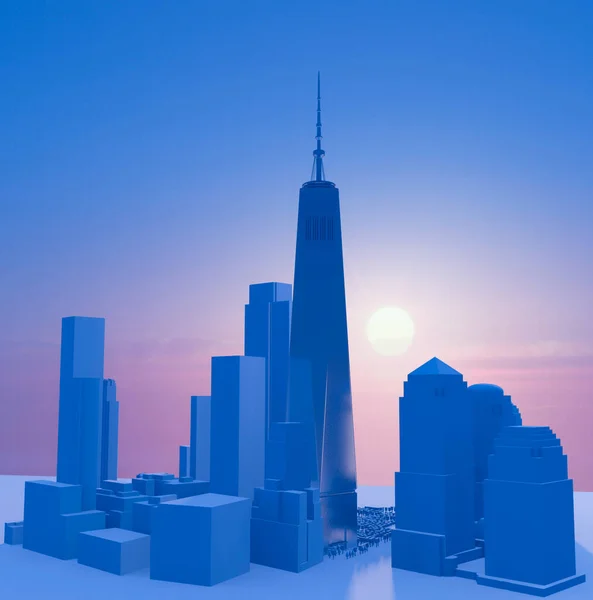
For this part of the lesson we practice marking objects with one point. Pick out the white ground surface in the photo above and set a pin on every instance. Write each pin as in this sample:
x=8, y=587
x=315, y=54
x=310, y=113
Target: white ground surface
x=28, y=575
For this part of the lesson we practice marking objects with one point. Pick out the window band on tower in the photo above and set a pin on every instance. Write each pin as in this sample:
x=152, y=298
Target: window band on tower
x=319, y=229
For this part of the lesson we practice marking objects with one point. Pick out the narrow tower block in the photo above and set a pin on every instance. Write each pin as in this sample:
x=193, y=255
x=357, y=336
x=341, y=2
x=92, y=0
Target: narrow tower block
x=434, y=489
x=237, y=435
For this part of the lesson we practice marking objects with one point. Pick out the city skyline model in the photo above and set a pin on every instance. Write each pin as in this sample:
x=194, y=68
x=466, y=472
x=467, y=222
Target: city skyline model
x=319, y=337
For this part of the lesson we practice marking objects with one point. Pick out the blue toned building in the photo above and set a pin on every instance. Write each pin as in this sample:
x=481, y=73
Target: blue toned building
x=492, y=410
x=53, y=518
x=110, y=433
x=199, y=445
x=115, y=550
x=529, y=532
x=267, y=334
x=13, y=533
x=184, y=452
x=80, y=421
x=116, y=500
x=300, y=410
x=319, y=334
x=286, y=523
x=200, y=540
x=434, y=489
x=237, y=432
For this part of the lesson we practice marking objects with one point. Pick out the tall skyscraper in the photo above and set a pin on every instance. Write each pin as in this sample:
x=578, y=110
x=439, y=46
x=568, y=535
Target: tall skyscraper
x=319, y=334
x=434, y=488
x=237, y=425
x=80, y=420
x=267, y=334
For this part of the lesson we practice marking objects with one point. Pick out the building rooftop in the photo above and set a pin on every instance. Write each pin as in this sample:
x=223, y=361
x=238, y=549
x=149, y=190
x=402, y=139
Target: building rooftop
x=486, y=387
x=116, y=534
x=208, y=500
x=435, y=366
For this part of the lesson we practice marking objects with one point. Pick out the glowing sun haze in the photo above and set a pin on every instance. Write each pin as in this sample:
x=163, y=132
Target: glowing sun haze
x=390, y=331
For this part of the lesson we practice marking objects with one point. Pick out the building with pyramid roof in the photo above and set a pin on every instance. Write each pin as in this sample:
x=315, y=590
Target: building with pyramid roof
x=435, y=366
x=434, y=488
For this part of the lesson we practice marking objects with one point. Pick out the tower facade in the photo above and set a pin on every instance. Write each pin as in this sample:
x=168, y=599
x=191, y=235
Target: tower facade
x=319, y=335
x=237, y=432
x=199, y=445
x=110, y=433
x=267, y=334
x=434, y=488
x=492, y=411
x=80, y=420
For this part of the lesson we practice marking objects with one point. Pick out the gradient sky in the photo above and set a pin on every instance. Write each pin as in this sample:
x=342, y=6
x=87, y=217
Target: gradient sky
x=150, y=163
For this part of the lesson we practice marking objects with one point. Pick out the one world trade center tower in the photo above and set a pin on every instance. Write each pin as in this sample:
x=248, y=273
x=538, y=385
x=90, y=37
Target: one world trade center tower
x=319, y=335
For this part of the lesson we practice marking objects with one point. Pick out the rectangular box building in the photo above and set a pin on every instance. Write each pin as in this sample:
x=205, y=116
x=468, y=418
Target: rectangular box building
x=267, y=334
x=199, y=445
x=80, y=419
x=237, y=432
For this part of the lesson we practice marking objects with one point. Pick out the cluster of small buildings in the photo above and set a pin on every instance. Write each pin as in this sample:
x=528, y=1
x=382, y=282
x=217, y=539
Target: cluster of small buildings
x=228, y=507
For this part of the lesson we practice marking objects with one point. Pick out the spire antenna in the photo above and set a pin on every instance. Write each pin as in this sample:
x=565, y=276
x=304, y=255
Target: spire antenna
x=318, y=173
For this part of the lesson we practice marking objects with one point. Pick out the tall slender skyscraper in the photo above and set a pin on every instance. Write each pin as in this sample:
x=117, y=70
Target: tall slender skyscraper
x=237, y=425
x=110, y=432
x=80, y=420
x=319, y=334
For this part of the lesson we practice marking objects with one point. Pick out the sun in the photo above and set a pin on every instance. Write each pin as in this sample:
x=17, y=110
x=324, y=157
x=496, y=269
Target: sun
x=390, y=331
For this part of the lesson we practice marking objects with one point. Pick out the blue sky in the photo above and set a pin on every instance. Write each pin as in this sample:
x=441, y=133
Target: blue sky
x=140, y=133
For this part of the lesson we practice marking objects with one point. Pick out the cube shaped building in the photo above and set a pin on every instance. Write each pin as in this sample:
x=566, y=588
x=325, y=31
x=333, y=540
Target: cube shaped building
x=201, y=540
